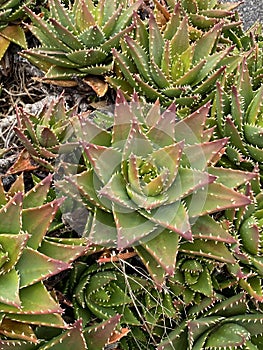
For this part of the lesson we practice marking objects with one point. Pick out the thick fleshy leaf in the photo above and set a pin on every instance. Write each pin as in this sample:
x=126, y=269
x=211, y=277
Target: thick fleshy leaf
x=13, y=329
x=99, y=335
x=228, y=335
x=204, y=284
x=89, y=186
x=15, y=34
x=191, y=128
x=63, y=252
x=42, y=268
x=9, y=293
x=145, y=201
x=4, y=44
x=88, y=131
x=115, y=190
x=205, y=227
x=35, y=300
x=155, y=270
x=123, y=117
x=180, y=41
x=231, y=178
x=10, y=215
x=205, y=45
x=174, y=217
x=131, y=228
x=133, y=173
x=36, y=221
x=162, y=126
x=188, y=181
x=156, y=41
x=164, y=249
x=137, y=142
x=17, y=344
x=69, y=339
x=200, y=156
x=13, y=245
x=105, y=160
x=209, y=249
x=218, y=197
x=140, y=58
x=37, y=195
x=57, y=9
x=103, y=229
x=17, y=186
x=168, y=158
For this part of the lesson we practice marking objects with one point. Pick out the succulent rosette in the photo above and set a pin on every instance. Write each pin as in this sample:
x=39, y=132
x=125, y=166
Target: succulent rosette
x=48, y=133
x=77, y=40
x=148, y=180
x=225, y=324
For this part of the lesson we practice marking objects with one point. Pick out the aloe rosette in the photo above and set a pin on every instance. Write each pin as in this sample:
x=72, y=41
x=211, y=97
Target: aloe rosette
x=48, y=133
x=77, y=41
x=11, y=13
x=225, y=324
x=170, y=65
x=27, y=258
x=99, y=291
x=150, y=182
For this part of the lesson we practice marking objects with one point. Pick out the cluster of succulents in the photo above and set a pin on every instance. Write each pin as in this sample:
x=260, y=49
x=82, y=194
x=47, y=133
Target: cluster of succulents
x=149, y=179
x=169, y=255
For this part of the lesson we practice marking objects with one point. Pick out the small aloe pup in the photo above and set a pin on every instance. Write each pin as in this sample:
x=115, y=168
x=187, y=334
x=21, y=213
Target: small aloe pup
x=47, y=134
x=77, y=41
x=149, y=179
x=27, y=258
x=11, y=13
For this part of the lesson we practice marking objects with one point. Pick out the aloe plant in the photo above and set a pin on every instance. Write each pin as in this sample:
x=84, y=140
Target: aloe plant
x=227, y=323
x=202, y=14
x=48, y=133
x=170, y=65
x=239, y=116
x=246, y=224
x=28, y=258
x=100, y=291
x=77, y=41
x=11, y=13
x=149, y=179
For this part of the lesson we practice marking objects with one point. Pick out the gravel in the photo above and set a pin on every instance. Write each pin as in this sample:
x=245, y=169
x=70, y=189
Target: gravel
x=250, y=11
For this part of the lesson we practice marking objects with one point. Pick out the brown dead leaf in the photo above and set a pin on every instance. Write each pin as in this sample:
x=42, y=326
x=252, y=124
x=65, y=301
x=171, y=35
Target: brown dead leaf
x=63, y=83
x=97, y=84
x=116, y=335
x=24, y=162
